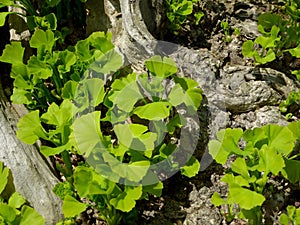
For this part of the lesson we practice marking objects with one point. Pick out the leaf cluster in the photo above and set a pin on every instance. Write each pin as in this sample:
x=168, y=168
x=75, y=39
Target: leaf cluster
x=178, y=11
x=268, y=151
x=278, y=35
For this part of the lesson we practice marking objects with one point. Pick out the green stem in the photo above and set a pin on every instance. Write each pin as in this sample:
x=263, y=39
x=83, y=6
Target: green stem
x=66, y=158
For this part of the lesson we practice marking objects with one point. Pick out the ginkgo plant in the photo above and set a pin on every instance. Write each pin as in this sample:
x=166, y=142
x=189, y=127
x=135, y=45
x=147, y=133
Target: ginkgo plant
x=268, y=151
x=14, y=209
x=143, y=119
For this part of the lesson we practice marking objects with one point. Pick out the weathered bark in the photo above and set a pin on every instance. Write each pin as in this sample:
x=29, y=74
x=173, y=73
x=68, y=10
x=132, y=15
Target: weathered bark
x=32, y=176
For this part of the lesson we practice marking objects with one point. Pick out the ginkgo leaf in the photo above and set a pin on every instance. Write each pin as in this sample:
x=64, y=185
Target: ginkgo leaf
x=13, y=53
x=153, y=111
x=246, y=198
x=192, y=168
x=30, y=128
x=270, y=160
x=279, y=138
x=161, y=67
x=30, y=216
x=87, y=133
x=127, y=200
x=3, y=177
x=226, y=143
x=71, y=207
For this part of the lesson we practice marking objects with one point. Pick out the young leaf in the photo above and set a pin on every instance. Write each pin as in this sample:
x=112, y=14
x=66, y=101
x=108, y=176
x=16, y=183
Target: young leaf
x=217, y=200
x=87, y=132
x=88, y=182
x=270, y=161
x=3, y=177
x=135, y=136
x=295, y=51
x=58, y=115
x=30, y=128
x=126, y=200
x=13, y=53
x=226, y=143
x=246, y=198
x=7, y=212
x=107, y=63
x=291, y=171
x=20, y=96
x=279, y=138
x=153, y=111
x=43, y=41
x=192, y=168
x=239, y=166
x=16, y=200
x=3, y=16
x=247, y=48
x=161, y=67
x=71, y=207
x=69, y=90
x=67, y=59
x=39, y=68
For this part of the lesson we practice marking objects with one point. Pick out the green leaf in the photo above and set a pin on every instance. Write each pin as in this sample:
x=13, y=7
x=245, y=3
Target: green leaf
x=71, y=207
x=50, y=151
x=184, y=8
x=43, y=41
x=192, y=168
x=128, y=95
x=20, y=96
x=247, y=48
x=226, y=143
x=7, y=212
x=291, y=171
x=3, y=177
x=153, y=111
x=16, y=200
x=154, y=189
x=284, y=219
x=217, y=200
x=67, y=59
x=101, y=41
x=94, y=90
x=83, y=50
x=107, y=63
x=3, y=16
x=268, y=20
x=246, y=198
x=280, y=138
x=270, y=161
x=239, y=166
x=234, y=181
x=88, y=182
x=13, y=53
x=30, y=128
x=161, y=67
x=39, y=68
x=135, y=136
x=295, y=51
x=58, y=115
x=4, y=3
x=87, y=133
x=69, y=89
x=126, y=200
x=269, y=57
